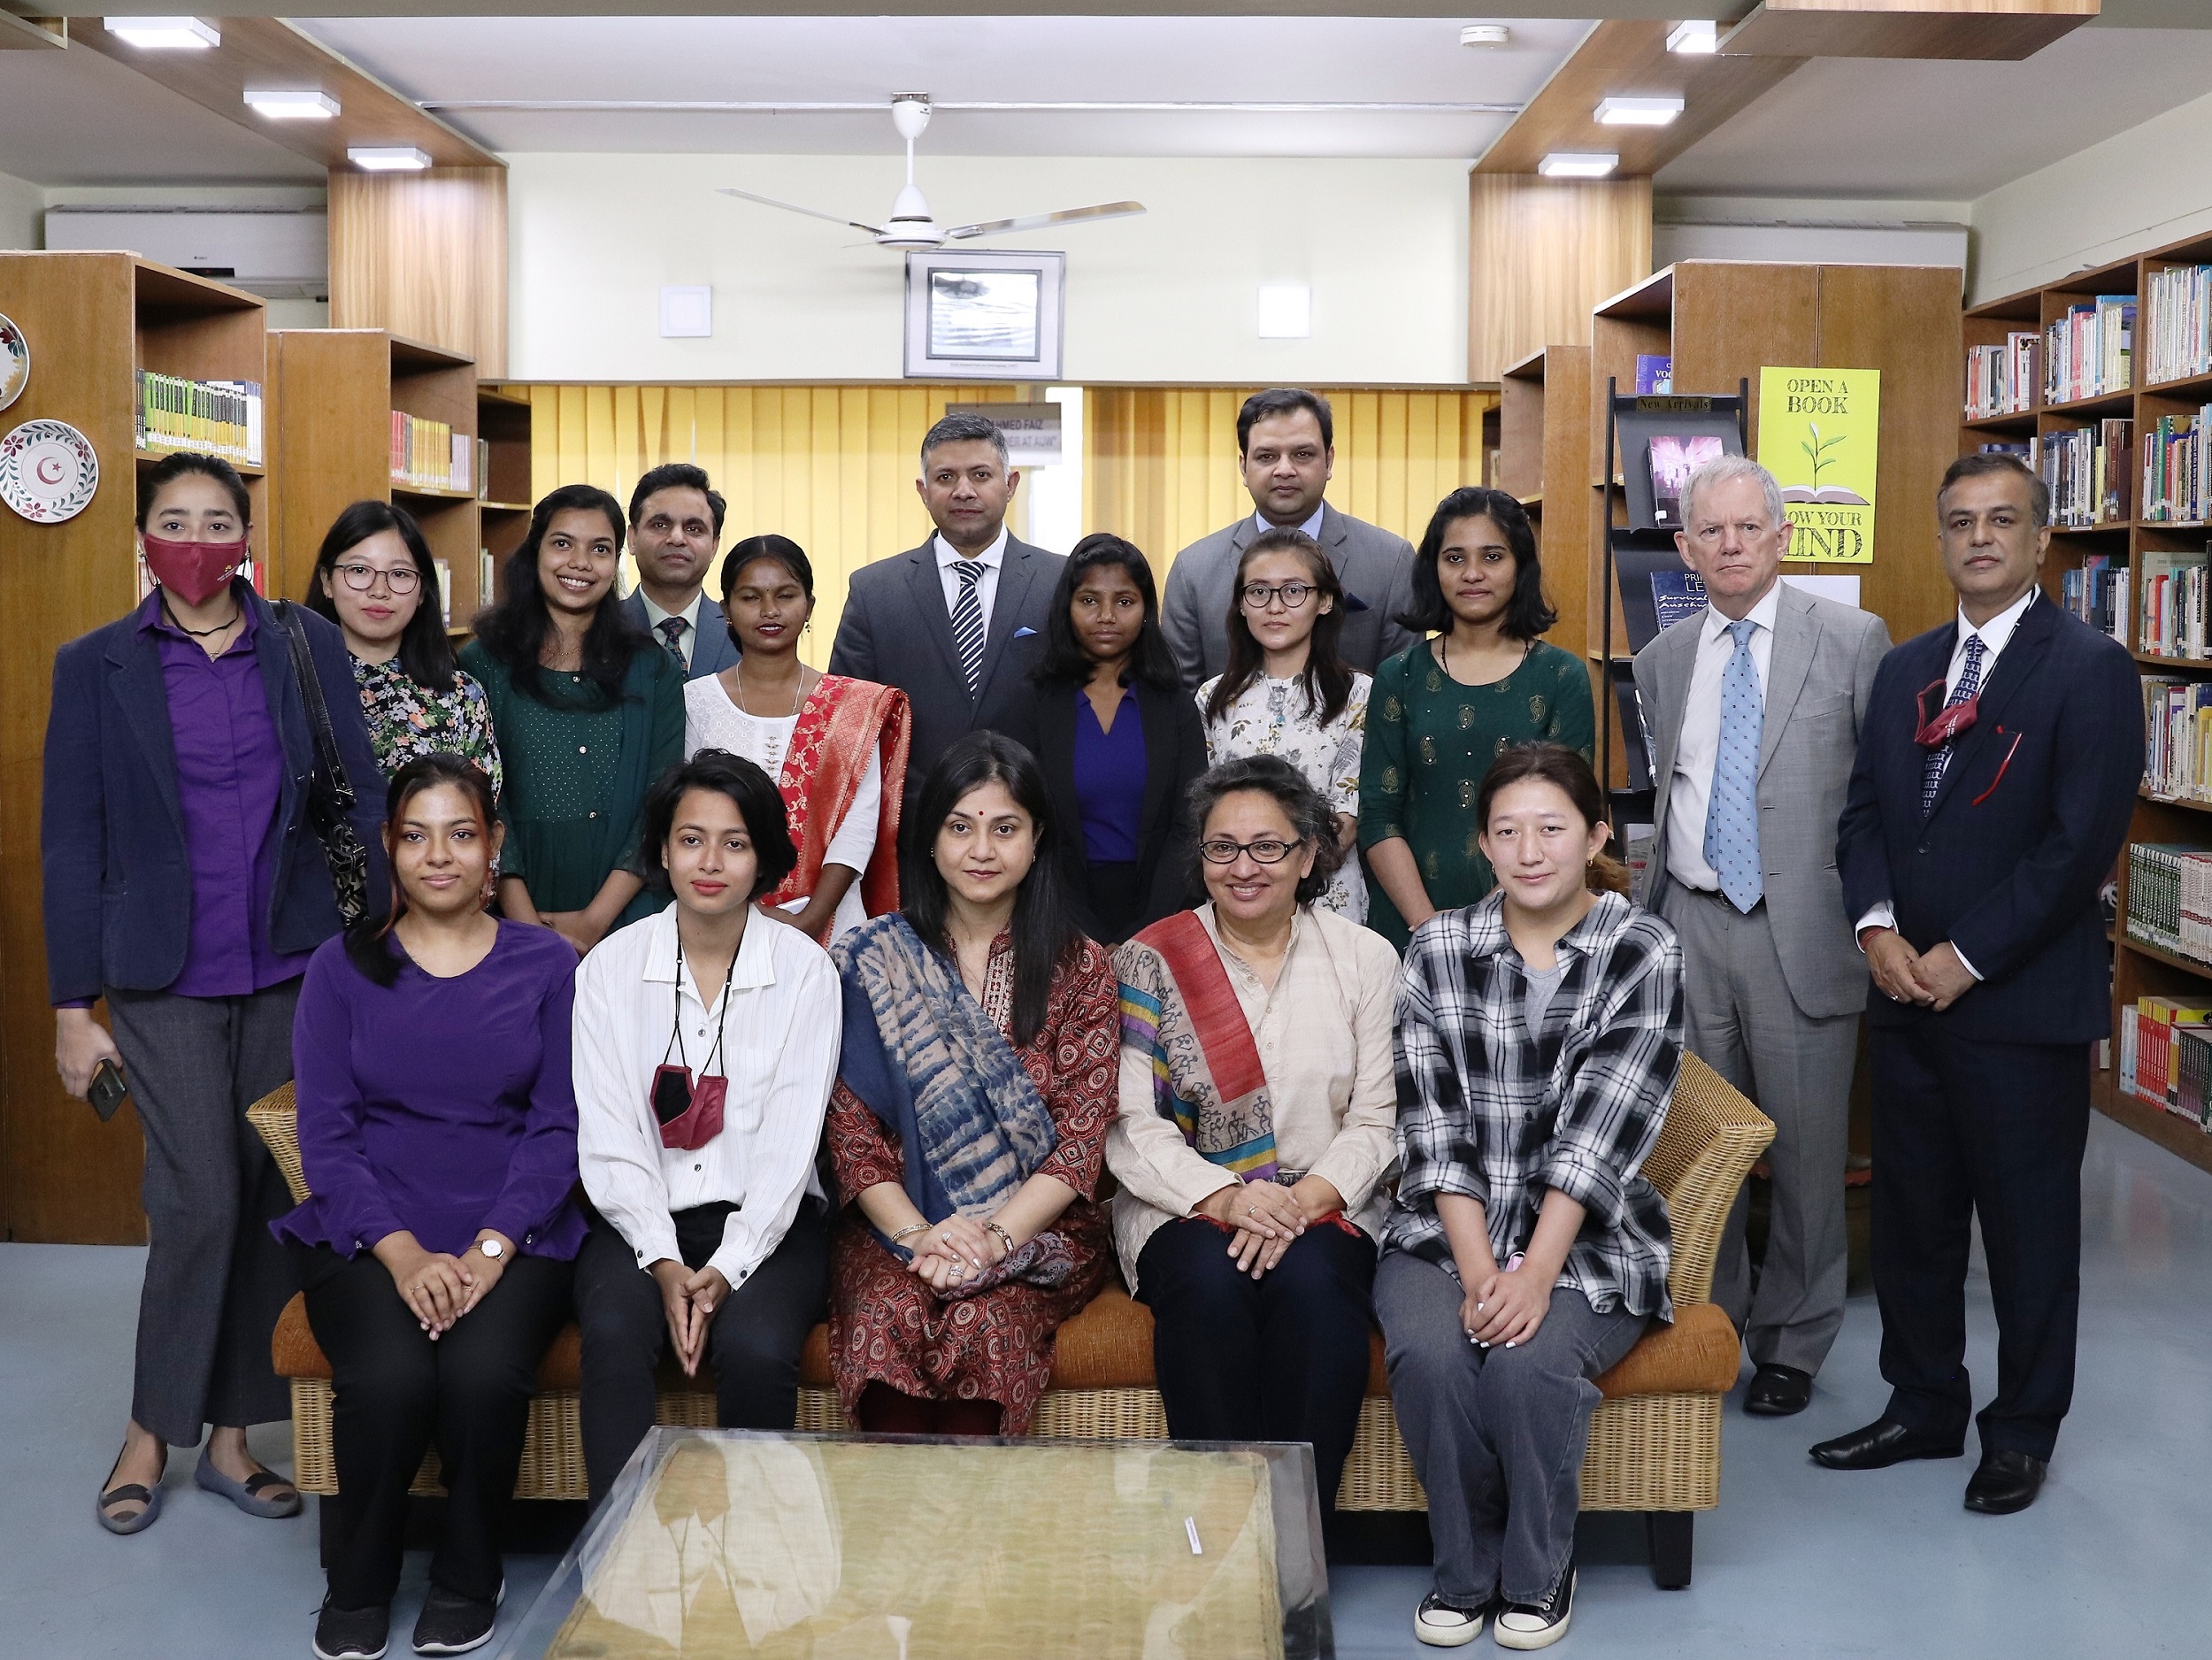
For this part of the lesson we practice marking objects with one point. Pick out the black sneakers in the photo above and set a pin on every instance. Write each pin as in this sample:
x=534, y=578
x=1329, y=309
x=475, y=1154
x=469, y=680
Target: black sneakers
x=354, y=1633
x=1538, y=1625
x=454, y=1624
x=1447, y=1625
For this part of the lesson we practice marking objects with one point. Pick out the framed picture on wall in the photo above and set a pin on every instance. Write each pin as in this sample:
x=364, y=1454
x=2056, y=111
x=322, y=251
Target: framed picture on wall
x=984, y=316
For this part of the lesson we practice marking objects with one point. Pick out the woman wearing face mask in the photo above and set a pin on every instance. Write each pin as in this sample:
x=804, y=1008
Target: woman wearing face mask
x=706, y=1043
x=975, y=1083
x=1120, y=742
x=375, y=578
x=836, y=747
x=437, y=1130
x=1287, y=691
x=589, y=712
x=184, y=883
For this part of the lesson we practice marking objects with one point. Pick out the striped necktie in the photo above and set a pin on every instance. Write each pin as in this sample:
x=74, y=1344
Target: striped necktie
x=967, y=622
x=1731, y=809
x=1939, y=759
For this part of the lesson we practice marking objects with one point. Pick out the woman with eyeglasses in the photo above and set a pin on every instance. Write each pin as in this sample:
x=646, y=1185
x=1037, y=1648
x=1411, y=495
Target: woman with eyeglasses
x=1287, y=690
x=1257, y=1117
x=374, y=578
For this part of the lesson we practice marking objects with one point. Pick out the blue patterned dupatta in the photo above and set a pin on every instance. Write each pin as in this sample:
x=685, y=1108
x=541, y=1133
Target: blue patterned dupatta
x=930, y=1062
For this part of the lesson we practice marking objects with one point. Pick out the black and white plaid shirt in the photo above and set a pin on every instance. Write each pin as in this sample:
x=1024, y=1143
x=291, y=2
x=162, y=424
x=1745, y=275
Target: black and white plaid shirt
x=1486, y=1111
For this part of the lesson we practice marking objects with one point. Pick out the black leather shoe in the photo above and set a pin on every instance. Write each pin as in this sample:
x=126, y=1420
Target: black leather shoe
x=1778, y=1392
x=1880, y=1444
x=2006, y=1482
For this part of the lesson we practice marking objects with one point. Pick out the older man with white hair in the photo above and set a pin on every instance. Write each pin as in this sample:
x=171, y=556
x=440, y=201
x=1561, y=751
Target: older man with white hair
x=1754, y=706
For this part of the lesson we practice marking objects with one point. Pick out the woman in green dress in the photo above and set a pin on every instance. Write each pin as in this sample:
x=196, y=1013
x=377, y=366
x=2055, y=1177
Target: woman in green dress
x=589, y=710
x=1442, y=711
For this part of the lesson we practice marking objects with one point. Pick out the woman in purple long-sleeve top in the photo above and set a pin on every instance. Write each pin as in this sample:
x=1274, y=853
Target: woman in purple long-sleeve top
x=437, y=1126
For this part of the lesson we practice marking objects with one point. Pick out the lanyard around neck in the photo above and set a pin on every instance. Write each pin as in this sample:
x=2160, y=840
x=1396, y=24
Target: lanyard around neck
x=721, y=1021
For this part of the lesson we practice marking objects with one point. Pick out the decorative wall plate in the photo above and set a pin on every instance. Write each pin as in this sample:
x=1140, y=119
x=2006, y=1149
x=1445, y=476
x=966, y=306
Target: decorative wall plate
x=15, y=362
x=47, y=471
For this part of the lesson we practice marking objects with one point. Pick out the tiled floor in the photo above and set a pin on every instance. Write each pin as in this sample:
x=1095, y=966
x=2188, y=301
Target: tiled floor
x=1797, y=1561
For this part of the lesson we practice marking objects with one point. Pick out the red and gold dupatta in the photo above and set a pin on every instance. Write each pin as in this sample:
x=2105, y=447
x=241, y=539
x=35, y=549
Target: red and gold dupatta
x=840, y=722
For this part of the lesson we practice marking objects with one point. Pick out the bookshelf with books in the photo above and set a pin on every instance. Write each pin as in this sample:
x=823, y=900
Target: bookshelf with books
x=504, y=488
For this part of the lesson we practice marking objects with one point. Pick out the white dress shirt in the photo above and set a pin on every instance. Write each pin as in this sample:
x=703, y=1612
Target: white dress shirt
x=779, y=1043
x=985, y=585
x=1993, y=634
x=1311, y=527
x=1698, y=749
x=655, y=617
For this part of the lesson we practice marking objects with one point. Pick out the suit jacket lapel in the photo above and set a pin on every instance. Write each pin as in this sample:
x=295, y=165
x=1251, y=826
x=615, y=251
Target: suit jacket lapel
x=135, y=670
x=1666, y=709
x=928, y=590
x=1788, y=662
x=1016, y=573
x=2022, y=656
x=1157, y=713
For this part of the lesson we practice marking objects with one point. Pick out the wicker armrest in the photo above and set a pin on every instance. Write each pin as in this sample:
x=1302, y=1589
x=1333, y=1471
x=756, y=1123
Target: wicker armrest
x=277, y=1120
x=1712, y=1137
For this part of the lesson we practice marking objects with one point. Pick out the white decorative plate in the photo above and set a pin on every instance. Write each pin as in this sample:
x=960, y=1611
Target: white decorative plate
x=15, y=362
x=47, y=471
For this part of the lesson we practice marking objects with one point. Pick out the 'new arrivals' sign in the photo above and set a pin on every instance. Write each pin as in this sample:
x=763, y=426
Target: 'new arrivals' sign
x=1819, y=434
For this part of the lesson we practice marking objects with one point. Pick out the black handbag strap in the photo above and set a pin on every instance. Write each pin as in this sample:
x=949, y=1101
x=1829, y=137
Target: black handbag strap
x=328, y=763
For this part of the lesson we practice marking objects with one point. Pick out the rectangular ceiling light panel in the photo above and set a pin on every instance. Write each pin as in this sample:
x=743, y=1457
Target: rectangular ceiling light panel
x=1576, y=164
x=1695, y=36
x=291, y=104
x=1638, y=111
x=388, y=159
x=188, y=34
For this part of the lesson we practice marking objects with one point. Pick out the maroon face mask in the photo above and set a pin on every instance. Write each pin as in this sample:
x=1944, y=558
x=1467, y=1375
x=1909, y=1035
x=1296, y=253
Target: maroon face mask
x=194, y=571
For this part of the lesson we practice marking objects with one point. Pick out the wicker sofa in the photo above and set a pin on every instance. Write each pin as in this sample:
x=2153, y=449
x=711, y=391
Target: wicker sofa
x=1655, y=1444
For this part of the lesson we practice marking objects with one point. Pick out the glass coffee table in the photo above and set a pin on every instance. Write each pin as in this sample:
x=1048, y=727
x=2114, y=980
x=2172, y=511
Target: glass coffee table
x=847, y=1547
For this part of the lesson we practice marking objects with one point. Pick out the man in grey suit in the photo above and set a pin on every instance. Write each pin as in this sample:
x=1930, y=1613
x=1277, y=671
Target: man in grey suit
x=1754, y=708
x=956, y=623
x=1286, y=450
x=675, y=527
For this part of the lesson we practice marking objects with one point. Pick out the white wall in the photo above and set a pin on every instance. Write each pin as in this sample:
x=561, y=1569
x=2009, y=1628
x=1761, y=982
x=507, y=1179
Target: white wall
x=1166, y=297
x=21, y=205
x=2137, y=189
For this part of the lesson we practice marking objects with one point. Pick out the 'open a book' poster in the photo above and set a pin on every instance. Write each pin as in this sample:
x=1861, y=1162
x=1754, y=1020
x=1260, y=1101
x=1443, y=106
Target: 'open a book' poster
x=1820, y=434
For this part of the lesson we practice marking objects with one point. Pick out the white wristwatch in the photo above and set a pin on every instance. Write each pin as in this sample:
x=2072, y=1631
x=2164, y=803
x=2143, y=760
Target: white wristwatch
x=491, y=1248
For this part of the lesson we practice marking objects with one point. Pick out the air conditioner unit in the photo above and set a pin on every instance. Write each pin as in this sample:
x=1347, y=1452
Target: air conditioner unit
x=279, y=253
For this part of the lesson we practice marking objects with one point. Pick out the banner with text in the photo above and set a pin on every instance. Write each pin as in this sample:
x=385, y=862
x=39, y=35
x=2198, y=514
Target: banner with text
x=1819, y=435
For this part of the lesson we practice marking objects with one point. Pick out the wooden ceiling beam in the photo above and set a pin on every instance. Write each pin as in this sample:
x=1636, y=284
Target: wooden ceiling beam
x=1985, y=30
x=32, y=34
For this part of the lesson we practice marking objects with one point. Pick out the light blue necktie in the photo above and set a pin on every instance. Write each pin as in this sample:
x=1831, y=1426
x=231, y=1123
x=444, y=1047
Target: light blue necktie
x=1731, y=811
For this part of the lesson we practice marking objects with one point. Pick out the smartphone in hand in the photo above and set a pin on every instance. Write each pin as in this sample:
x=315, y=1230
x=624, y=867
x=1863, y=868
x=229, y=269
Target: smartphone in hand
x=108, y=1091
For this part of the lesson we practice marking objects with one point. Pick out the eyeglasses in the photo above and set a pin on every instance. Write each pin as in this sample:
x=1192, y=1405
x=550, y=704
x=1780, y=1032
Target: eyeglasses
x=1266, y=850
x=361, y=577
x=1260, y=595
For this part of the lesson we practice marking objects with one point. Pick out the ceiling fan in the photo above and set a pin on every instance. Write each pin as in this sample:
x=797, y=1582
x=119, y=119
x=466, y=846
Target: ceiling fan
x=909, y=226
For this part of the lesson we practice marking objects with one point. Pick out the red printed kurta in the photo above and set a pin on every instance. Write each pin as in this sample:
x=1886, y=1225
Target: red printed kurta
x=885, y=1325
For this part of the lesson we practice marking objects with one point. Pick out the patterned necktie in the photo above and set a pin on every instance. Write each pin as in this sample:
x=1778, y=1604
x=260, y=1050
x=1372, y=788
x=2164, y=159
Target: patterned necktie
x=1970, y=682
x=672, y=631
x=967, y=622
x=1732, y=810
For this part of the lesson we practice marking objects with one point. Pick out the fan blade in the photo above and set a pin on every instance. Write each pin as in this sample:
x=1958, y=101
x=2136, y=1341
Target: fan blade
x=1039, y=221
x=792, y=207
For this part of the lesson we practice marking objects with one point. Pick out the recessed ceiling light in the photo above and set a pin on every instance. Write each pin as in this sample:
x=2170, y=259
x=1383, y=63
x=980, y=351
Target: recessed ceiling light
x=387, y=158
x=1485, y=35
x=1638, y=111
x=1696, y=36
x=1578, y=164
x=174, y=34
x=291, y=104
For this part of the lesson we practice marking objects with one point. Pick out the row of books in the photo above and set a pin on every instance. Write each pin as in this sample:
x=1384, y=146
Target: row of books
x=2177, y=610
x=431, y=455
x=2178, y=325
x=2178, y=468
x=2177, y=738
x=2090, y=351
x=2169, y=898
x=2001, y=379
x=2166, y=1057
x=2096, y=591
x=2087, y=471
x=217, y=418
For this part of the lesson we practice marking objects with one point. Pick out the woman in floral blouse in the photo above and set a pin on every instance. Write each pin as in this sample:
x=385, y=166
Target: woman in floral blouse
x=374, y=578
x=1289, y=692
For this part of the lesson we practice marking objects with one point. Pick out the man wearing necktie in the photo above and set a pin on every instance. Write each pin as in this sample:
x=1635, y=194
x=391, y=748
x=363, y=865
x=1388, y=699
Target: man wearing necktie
x=1993, y=788
x=1754, y=708
x=675, y=529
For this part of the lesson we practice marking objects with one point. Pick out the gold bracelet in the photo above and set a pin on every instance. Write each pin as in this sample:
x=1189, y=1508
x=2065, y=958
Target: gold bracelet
x=911, y=1227
x=1004, y=1237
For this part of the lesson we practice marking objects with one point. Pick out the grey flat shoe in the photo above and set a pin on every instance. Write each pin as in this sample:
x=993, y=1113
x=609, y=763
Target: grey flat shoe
x=246, y=1495
x=130, y=1493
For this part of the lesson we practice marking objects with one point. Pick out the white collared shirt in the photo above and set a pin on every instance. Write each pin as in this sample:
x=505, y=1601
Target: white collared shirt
x=779, y=1046
x=1698, y=749
x=1311, y=527
x=985, y=585
x=655, y=617
x=1994, y=635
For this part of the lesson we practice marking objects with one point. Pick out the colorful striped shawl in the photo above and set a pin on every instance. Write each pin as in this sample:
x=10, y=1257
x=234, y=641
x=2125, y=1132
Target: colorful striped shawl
x=1179, y=1009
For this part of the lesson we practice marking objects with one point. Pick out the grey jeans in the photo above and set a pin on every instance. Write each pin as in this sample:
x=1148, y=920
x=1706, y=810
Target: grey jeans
x=1497, y=1434
x=216, y=1279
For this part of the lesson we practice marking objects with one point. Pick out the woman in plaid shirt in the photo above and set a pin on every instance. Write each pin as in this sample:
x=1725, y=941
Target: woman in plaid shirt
x=1539, y=1034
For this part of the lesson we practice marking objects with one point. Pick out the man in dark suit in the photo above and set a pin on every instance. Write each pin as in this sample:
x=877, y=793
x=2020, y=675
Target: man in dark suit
x=955, y=624
x=1996, y=775
x=1287, y=451
x=675, y=527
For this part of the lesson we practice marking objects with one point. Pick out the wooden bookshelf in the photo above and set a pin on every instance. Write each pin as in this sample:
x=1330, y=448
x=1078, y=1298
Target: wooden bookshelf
x=91, y=320
x=503, y=423
x=1541, y=409
x=2139, y=969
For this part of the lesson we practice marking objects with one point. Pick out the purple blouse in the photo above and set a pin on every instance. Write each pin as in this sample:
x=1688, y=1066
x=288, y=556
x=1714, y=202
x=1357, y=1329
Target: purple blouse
x=230, y=779
x=440, y=1106
x=1109, y=779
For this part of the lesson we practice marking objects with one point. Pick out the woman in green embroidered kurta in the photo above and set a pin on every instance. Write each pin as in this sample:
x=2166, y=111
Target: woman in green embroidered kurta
x=589, y=712
x=1442, y=711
